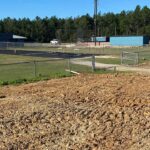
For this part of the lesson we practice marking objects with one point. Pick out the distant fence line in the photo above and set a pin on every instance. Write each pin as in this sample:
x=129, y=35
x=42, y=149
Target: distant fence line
x=80, y=48
x=63, y=45
x=11, y=44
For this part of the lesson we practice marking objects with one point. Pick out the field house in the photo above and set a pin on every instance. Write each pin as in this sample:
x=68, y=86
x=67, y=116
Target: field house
x=122, y=40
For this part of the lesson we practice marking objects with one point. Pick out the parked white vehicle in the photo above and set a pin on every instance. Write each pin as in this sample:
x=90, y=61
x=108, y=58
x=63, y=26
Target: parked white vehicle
x=54, y=42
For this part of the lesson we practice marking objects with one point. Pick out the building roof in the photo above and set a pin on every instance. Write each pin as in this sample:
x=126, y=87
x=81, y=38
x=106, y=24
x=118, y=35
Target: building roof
x=131, y=36
x=18, y=37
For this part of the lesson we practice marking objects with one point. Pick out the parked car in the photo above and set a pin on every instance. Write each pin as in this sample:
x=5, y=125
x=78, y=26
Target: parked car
x=54, y=42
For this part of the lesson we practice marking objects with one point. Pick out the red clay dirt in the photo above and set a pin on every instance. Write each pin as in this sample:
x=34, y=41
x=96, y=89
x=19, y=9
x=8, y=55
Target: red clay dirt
x=85, y=112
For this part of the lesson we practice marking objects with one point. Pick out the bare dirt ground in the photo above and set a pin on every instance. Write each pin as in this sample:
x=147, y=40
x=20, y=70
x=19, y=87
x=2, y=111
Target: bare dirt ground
x=85, y=112
x=106, y=56
x=145, y=65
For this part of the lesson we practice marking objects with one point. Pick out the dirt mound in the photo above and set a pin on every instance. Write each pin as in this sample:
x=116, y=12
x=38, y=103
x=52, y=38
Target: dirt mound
x=86, y=112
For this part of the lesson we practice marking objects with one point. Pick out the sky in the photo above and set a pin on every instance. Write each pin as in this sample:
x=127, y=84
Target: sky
x=63, y=8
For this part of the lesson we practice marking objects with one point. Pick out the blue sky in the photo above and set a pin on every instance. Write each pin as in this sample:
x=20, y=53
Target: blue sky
x=63, y=8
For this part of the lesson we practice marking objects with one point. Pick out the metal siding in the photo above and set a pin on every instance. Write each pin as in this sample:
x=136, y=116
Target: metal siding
x=99, y=39
x=5, y=36
x=9, y=37
x=127, y=41
x=146, y=39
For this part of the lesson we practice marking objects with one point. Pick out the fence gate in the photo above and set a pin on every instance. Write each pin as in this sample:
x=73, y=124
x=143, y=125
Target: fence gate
x=129, y=58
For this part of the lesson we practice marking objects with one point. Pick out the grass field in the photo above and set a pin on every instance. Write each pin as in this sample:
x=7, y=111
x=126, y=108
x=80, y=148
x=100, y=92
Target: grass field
x=109, y=60
x=7, y=59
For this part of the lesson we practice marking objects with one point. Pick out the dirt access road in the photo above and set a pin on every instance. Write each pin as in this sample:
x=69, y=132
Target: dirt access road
x=118, y=67
x=85, y=112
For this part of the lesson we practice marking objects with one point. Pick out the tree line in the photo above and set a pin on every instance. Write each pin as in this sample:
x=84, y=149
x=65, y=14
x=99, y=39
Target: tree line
x=136, y=22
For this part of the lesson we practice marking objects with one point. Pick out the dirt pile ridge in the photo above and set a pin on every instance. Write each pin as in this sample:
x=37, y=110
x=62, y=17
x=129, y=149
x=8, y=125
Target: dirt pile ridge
x=86, y=112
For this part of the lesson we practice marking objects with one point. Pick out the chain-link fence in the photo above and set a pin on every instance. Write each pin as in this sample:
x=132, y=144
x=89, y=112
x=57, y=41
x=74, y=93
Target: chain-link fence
x=135, y=58
x=51, y=68
x=129, y=58
x=144, y=56
x=29, y=70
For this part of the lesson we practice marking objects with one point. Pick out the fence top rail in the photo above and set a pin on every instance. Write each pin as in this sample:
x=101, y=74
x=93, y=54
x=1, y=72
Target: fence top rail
x=145, y=51
x=34, y=61
x=129, y=52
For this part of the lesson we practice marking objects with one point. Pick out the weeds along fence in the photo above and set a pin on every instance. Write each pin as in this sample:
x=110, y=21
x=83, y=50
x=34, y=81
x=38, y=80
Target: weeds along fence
x=53, y=68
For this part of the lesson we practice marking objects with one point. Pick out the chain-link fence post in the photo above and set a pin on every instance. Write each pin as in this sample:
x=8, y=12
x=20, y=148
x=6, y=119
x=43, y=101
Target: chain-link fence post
x=93, y=63
x=69, y=64
x=88, y=49
x=103, y=49
x=121, y=57
x=138, y=58
x=115, y=69
x=35, y=69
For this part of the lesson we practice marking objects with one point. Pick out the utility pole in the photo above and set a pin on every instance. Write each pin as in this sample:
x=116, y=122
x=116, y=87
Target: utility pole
x=95, y=18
